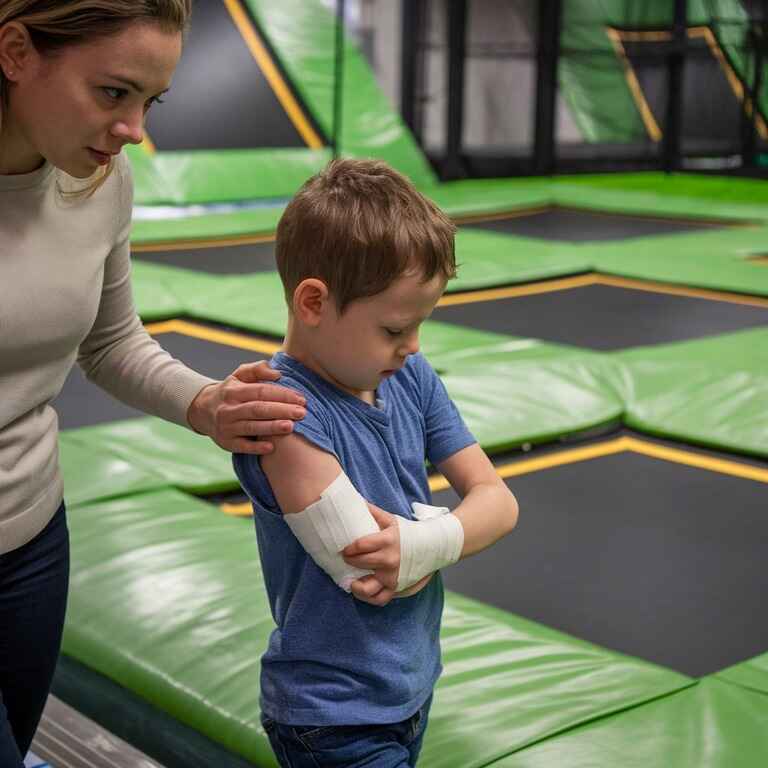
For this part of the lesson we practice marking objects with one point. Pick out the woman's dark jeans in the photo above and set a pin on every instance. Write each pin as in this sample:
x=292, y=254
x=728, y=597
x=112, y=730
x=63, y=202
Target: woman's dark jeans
x=33, y=600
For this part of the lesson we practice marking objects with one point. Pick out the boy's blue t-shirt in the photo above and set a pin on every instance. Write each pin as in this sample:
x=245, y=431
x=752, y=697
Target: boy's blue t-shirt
x=333, y=659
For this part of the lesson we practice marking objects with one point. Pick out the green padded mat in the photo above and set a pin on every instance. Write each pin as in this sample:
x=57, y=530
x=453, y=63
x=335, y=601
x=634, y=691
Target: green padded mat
x=187, y=619
x=92, y=471
x=752, y=674
x=711, y=391
x=710, y=725
x=145, y=453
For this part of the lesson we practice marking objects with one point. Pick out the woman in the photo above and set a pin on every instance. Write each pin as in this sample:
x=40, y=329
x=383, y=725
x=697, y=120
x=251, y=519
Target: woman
x=76, y=79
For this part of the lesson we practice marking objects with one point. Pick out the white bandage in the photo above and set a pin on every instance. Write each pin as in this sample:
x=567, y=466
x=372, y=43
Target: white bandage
x=327, y=526
x=432, y=541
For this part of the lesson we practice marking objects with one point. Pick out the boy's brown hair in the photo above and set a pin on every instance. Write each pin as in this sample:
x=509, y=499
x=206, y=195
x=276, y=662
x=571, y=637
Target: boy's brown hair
x=358, y=225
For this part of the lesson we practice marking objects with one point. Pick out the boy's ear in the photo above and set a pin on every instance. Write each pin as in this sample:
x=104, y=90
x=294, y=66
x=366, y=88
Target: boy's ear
x=311, y=300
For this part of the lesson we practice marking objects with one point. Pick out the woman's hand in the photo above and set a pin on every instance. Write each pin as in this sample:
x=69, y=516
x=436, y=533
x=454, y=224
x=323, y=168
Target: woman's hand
x=242, y=407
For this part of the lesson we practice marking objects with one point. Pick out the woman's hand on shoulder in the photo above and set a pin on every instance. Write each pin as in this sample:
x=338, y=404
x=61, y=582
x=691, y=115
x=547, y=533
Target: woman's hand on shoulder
x=246, y=406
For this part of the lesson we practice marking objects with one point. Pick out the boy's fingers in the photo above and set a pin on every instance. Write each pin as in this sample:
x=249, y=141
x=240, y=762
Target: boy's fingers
x=366, y=544
x=367, y=586
x=372, y=562
x=369, y=590
x=384, y=519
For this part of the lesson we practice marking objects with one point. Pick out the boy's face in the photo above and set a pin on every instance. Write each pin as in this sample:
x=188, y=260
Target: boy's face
x=375, y=335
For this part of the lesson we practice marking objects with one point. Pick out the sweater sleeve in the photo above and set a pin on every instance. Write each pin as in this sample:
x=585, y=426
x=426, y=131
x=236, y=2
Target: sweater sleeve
x=118, y=354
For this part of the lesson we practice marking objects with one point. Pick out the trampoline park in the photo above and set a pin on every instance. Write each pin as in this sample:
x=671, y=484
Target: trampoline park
x=606, y=341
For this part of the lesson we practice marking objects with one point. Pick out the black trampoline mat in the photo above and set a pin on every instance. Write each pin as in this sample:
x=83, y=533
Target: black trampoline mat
x=219, y=99
x=572, y=225
x=605, y=317
x=652, y=558
x=82, y=403
x=235, y=259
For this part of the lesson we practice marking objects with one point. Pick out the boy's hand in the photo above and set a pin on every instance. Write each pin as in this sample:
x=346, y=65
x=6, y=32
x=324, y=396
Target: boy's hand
x=379, y=553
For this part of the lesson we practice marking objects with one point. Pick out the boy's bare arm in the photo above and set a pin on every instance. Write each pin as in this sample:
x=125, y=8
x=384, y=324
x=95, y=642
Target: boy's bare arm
x=488, y=510
x=299, y=472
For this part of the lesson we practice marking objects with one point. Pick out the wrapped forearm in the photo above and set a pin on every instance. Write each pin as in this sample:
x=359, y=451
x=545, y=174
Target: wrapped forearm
x=431, y=542
x=324, y=528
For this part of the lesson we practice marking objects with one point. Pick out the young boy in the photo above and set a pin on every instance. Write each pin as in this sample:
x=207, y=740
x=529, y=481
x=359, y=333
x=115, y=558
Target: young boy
x=348, y=675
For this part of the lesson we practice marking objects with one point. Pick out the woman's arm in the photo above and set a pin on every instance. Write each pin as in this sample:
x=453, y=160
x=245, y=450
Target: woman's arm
x=121, y=357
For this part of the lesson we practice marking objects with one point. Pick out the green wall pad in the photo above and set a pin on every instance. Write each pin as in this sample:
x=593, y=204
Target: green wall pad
x=712, y=391
x=301, y=34
x=167, y=601
x=752, y=674
x=153, y=448
x=710, y=725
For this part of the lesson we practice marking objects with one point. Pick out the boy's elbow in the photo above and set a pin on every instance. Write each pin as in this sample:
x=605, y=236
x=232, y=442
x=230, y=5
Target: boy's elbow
x=513, y=512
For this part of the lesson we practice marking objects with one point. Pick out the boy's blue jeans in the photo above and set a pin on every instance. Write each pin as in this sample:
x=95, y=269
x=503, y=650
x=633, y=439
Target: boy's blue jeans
x=396, y=745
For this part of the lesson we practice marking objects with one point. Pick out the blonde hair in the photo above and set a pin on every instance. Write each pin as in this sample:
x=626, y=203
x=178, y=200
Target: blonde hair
x=57, y=24
x=358, y=225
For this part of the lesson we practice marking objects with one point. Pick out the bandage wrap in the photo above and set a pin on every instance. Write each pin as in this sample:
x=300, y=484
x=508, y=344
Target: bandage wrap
x=324, y=528
x=431, y=542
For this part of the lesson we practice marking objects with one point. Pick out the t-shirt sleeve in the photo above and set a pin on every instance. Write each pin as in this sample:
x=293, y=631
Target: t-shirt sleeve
x=446, y=432
x=314, y=427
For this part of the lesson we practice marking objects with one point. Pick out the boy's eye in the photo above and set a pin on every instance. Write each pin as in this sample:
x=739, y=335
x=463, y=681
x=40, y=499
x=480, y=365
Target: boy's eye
x=114, y=93
x=393, y=331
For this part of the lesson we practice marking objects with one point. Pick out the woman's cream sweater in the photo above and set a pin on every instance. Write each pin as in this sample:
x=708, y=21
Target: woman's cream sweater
x=65, y=295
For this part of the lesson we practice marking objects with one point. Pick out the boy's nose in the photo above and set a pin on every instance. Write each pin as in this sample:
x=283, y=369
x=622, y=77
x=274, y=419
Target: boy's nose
x=410, y=345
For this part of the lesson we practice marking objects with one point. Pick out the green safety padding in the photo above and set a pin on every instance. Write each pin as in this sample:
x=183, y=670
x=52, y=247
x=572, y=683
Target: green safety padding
x=591, y=76
x=662, y=194
x=508, y=682
x=167, y=601
x=92, y=472
x=711, y=391
x=709, y=725
x=752, y=674
x=717, y=260
x=206, y=226
x=175, y=455
x=253, y=302
x=302, y=35
x=159, y=291
x=478, y=196
x=491, y=259
x=636, y=193
x=523, y=391
x=210, y=176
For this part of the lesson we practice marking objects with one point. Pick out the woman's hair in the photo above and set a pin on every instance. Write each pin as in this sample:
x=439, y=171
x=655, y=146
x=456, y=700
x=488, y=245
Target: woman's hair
x=358, y=225
x=57, y=24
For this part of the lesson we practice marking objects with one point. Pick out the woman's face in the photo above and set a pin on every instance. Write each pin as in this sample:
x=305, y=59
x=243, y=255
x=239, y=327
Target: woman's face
x=83, y=104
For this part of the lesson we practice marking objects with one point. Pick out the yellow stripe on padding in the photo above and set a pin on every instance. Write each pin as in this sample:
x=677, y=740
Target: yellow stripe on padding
x=238, y=340
x=272, y=75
